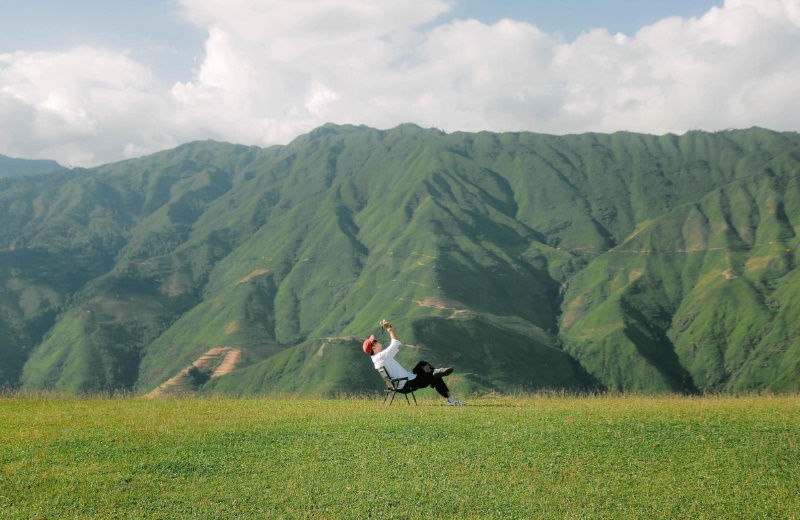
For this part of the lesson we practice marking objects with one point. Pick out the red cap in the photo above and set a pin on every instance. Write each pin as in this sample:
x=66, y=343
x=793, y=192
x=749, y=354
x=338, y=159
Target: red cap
x=368, y=345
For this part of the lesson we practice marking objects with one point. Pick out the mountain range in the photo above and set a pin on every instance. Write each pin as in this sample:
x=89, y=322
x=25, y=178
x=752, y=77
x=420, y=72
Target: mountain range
x=622, y=262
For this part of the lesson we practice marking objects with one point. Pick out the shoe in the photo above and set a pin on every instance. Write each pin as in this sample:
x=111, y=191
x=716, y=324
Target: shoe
x=452, y=401
x=441, y=372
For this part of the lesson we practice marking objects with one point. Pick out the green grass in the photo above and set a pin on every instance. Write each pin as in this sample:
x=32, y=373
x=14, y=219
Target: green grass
x=511, y=457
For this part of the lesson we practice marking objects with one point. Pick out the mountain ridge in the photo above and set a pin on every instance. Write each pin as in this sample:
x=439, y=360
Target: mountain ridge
x=537, y=261
x=11, y=167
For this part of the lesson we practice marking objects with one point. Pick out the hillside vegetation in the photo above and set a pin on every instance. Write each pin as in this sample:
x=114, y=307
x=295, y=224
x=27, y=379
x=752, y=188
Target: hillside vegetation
x=625, y=262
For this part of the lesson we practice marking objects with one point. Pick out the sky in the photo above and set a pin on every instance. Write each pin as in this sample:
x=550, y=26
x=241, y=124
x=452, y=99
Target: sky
x=90, y=82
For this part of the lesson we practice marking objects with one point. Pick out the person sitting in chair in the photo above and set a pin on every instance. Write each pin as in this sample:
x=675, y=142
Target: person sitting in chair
x=422, y=376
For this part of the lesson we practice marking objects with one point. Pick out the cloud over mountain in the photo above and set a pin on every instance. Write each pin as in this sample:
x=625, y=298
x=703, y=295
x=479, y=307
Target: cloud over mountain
x=273, y=70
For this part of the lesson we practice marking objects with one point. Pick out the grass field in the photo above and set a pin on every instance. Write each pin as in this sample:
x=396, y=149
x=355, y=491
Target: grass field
x=500, y=457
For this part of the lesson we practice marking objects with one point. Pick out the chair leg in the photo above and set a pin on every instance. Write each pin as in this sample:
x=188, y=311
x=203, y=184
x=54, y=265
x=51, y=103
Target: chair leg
x=385, y=395
x=409, y=402
x=392, y=399
x=414, y=396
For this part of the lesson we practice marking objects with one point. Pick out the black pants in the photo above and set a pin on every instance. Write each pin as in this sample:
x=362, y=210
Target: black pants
x=424, y=379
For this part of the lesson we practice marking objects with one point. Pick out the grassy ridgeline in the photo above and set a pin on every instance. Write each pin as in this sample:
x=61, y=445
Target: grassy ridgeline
x=508, y=457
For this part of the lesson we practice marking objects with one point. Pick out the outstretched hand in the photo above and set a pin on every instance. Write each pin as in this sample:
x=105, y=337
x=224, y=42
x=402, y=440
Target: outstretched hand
x=388, y=326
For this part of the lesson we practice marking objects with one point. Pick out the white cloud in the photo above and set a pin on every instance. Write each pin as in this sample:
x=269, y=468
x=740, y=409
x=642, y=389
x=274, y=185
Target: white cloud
x=274, y=69
x=77, y=107
x=287, y=28
x=319, y=98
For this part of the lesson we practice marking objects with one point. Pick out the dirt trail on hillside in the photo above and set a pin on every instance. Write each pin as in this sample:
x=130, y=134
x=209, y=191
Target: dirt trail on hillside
x=439, y=303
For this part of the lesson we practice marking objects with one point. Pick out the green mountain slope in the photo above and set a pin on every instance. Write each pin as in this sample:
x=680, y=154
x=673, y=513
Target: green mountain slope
x=525, y=261
x=698, y=298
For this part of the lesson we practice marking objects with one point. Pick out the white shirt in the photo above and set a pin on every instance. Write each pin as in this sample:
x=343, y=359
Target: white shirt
x=385, y=358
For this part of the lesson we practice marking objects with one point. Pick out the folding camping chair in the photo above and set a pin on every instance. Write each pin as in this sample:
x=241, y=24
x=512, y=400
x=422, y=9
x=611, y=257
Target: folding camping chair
x=392, y=384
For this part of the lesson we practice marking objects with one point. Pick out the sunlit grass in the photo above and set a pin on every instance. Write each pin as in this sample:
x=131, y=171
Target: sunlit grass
x=504, y=457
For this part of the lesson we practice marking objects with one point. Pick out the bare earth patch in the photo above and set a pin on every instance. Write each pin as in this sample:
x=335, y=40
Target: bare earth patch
x=440, y=303
x=228, y=365
x=760, y=262
x=575, y=311
x=232, y=328
x=257, y=272
x=223, y=360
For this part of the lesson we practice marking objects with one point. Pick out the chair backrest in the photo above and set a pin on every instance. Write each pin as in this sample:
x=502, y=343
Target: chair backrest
x=386, y=378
